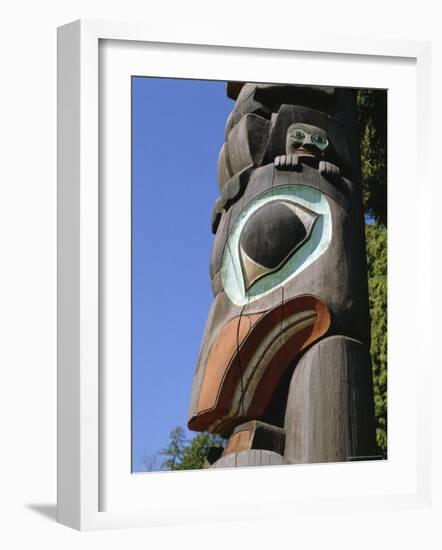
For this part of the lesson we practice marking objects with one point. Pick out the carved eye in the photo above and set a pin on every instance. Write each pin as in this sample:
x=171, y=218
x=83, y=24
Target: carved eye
x=298, y=135
x=270, y=236
x=320, y=140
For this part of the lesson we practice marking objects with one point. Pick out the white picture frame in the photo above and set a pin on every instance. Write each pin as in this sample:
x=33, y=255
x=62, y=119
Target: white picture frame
x=95, y=491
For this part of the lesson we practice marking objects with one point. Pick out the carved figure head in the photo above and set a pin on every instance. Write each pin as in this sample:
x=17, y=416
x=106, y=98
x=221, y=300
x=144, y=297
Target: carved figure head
x=306, y=140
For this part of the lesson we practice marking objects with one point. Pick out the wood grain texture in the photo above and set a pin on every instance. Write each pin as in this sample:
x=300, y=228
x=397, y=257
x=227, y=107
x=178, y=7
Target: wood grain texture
x=247, y=142
x=220, y=357
x=219, y=244
x=217, y=213
x=250, y=458
x=224, y=167
x=246, y=104
x=329, y=415
x=238, y=441
x=256, y=435
x=221, y=312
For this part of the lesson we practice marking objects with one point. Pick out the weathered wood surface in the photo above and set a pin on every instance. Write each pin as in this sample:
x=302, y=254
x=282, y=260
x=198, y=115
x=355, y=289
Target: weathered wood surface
x=249, y=357
x=247, y=142
x=247, y=459
x=256, y=435
x=329, y=415
x=224, y=167
x=257, y=268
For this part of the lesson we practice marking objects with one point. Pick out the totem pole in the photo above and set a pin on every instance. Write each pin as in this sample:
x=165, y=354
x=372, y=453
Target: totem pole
x=284, y=370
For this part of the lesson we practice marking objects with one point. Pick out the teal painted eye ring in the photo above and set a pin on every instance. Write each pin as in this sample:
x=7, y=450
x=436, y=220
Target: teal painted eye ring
x=298, y=135
x=320, y=141
x=301, y=196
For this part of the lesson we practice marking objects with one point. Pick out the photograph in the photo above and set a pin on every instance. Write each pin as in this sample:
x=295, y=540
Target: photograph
x=258, y=274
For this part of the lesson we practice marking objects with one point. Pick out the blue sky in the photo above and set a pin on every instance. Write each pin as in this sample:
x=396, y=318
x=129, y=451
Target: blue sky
x=177, y=132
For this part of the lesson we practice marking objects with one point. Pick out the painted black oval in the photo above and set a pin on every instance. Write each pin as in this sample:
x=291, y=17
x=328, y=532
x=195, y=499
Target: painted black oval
x=272, y=233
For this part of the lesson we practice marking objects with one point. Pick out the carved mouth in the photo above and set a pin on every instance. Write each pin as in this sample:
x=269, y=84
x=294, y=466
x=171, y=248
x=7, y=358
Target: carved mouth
x=248, y=358
x=303, y=151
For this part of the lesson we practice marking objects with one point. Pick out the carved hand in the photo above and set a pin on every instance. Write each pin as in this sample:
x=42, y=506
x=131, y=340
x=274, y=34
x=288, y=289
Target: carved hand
x=287, y=162
x=329, y=170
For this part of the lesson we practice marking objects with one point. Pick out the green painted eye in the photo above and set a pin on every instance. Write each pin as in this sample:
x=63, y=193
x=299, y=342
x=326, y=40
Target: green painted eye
x=320, y=141
x=298, y=135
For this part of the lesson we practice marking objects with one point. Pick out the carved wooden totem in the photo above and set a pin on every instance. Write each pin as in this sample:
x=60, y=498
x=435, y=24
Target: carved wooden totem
x=284, y=369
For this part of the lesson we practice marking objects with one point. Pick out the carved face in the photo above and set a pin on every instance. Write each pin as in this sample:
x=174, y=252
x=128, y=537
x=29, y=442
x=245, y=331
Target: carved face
x=306, y=140
x=263, y=318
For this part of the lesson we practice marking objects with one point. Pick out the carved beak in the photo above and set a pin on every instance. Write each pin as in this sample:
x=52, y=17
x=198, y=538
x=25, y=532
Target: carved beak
x=248, y=358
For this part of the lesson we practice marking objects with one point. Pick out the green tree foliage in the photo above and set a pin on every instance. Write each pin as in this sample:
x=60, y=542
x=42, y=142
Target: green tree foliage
x=183, y=454
x=175, y=450
x=195, y=454
x=372, y=114
x=376, y=239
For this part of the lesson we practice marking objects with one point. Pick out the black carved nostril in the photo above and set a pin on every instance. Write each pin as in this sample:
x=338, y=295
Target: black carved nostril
x=272, y=233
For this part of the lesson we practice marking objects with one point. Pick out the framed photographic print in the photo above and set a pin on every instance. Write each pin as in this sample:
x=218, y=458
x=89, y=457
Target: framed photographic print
x=223, y=277
x=247, y=406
